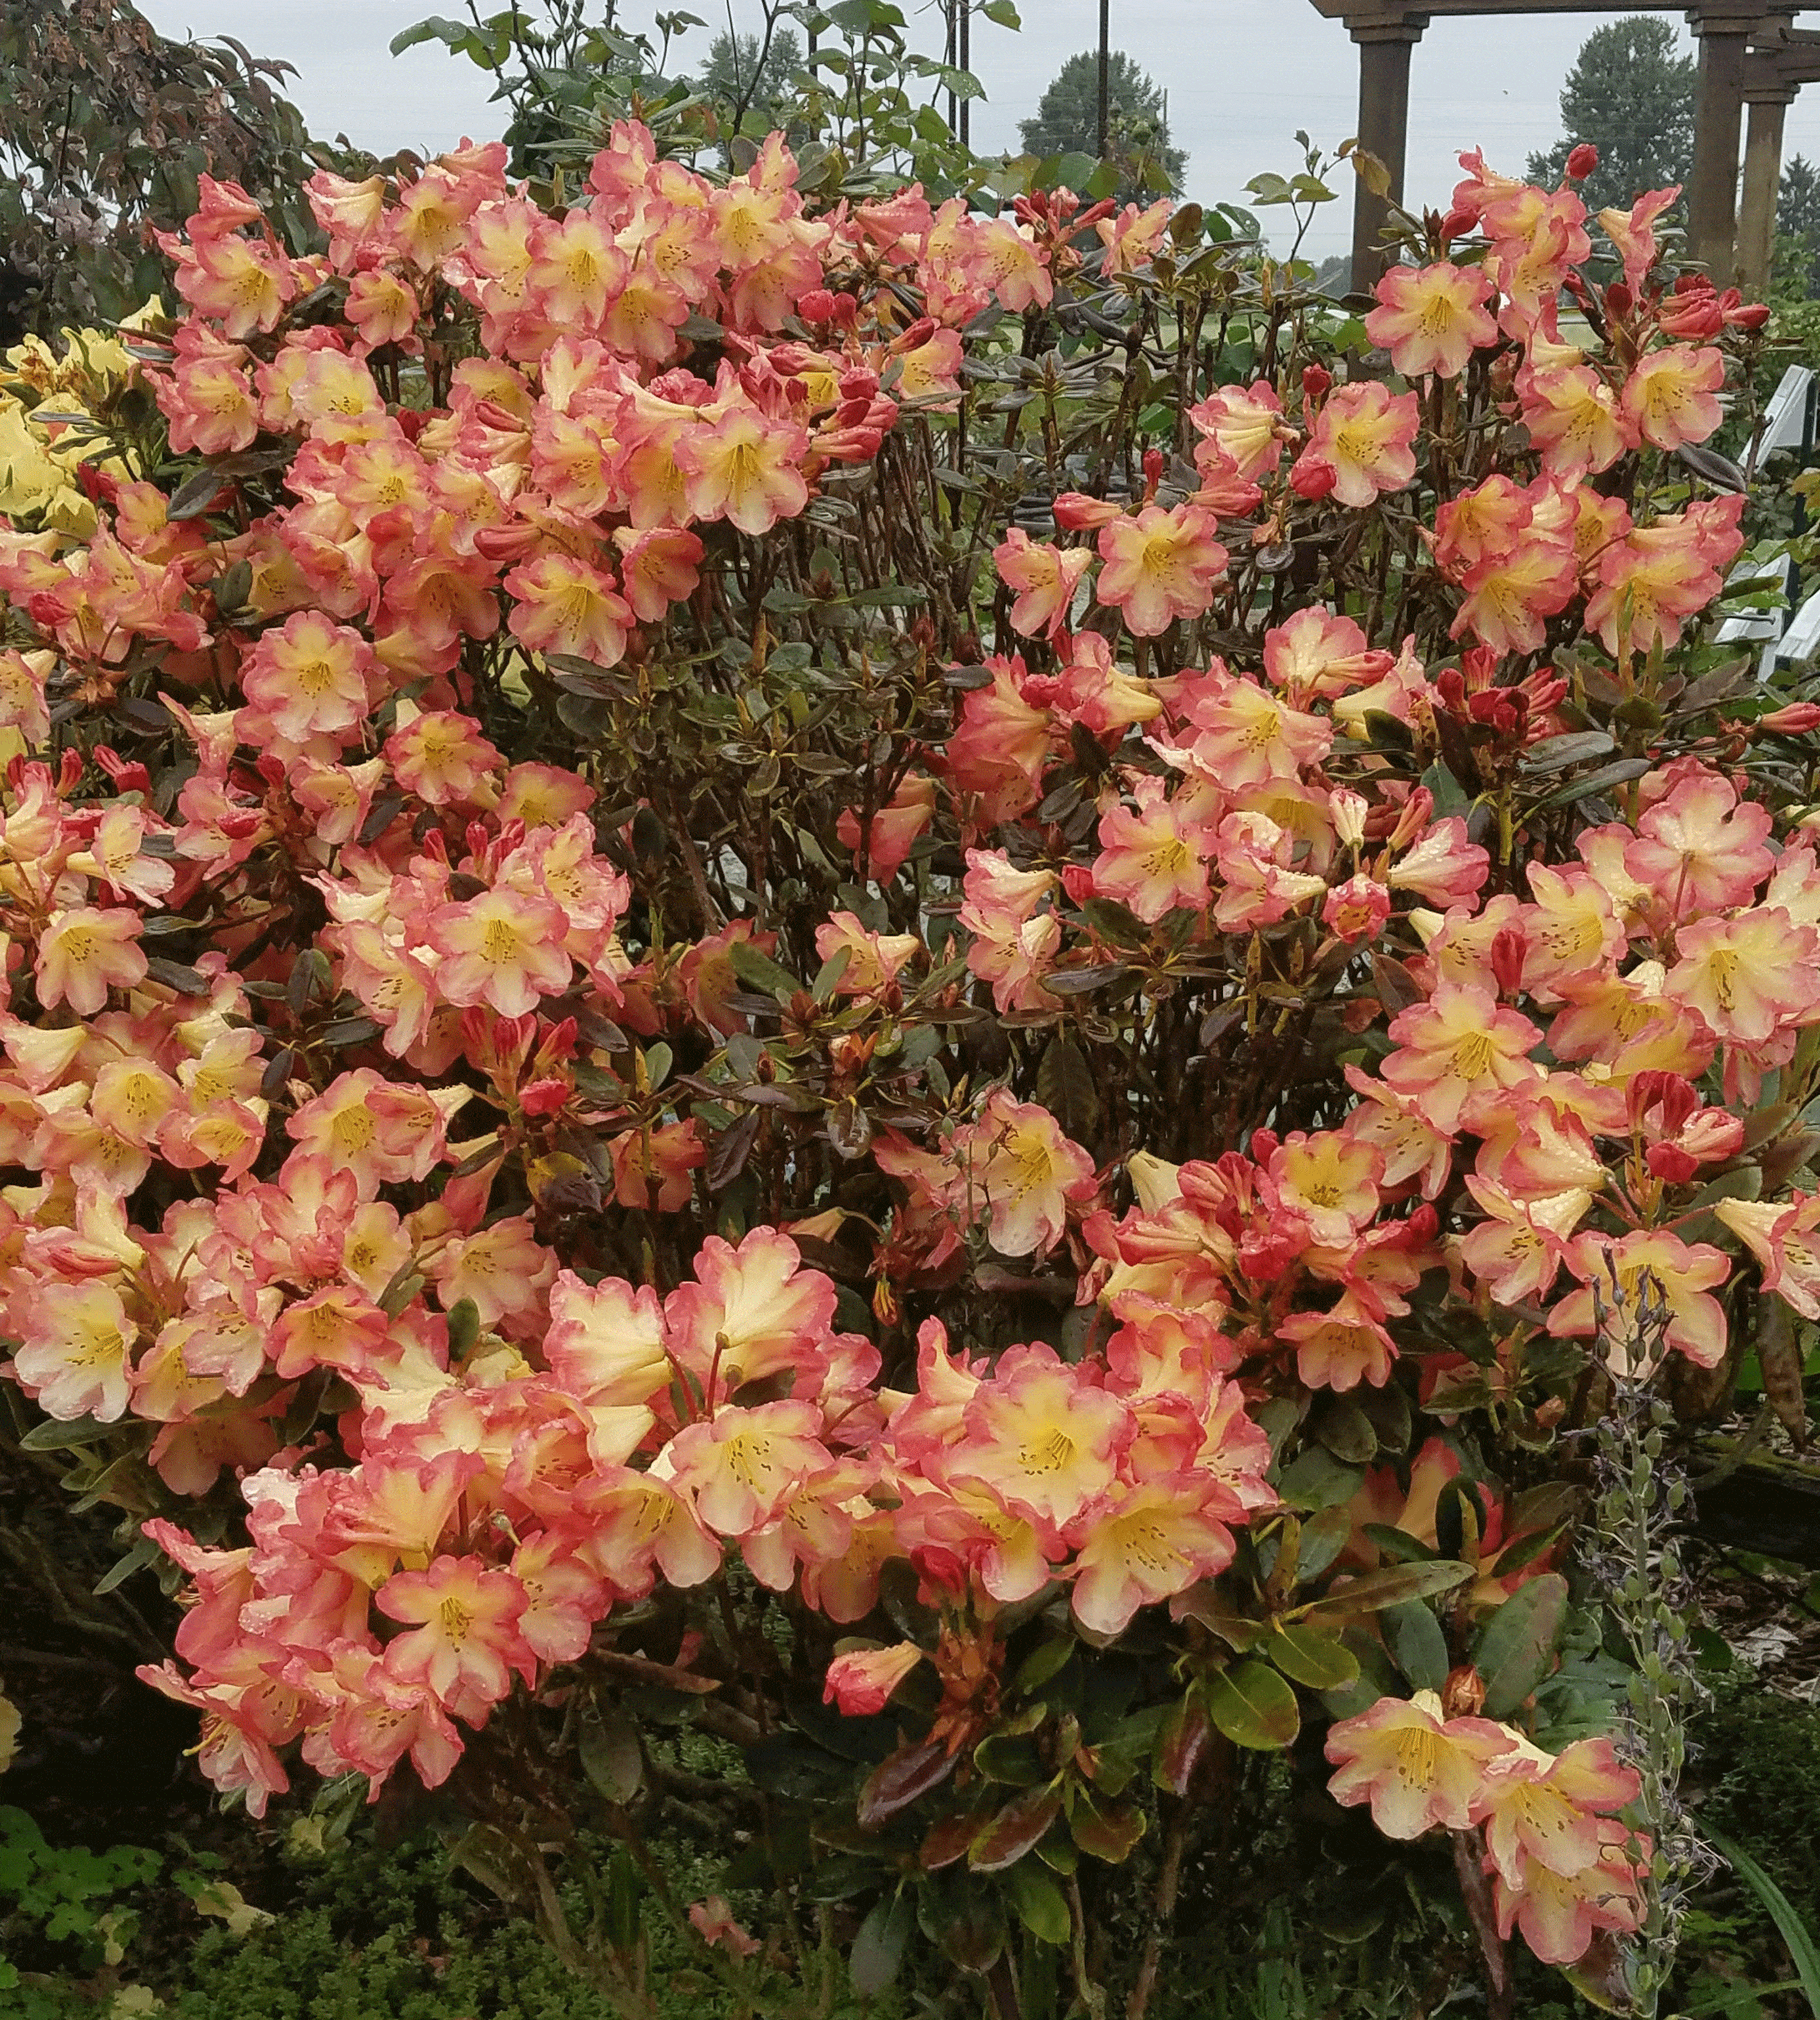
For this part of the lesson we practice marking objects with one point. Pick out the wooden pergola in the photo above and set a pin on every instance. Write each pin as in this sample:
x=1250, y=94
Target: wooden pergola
x=1750, y=53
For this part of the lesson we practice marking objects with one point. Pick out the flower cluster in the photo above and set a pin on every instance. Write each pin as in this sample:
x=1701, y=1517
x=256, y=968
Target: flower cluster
x=1562, y=1865
x=575, y=1033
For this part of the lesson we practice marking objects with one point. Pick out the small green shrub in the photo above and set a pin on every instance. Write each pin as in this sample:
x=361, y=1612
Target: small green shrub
x=62, y=1912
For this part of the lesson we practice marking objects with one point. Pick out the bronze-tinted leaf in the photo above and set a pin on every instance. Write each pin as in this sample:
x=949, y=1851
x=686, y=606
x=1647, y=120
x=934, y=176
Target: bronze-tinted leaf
x=1015, y=1829
x=895, y=1783
x=1181, y=1744
x=1109, y=1830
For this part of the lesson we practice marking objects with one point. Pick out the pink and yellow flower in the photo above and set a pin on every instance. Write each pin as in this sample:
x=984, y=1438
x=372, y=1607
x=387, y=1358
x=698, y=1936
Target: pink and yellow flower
x=1159, y=565
x=1431, y=318
x=1362, y=444
x=1418, y=1770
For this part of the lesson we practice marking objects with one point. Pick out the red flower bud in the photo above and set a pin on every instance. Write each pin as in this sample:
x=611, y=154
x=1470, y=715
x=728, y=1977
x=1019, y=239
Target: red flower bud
x=1075, y=510
x=1582, y=161
x=1317, y=381
x=128, y=775
x=1795, y=720
x=543, y=1097
x=1670, y=1163
x=1077, y=880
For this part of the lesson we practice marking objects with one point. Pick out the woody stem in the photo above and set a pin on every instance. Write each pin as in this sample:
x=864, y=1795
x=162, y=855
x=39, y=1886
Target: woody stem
x=1468, y=1863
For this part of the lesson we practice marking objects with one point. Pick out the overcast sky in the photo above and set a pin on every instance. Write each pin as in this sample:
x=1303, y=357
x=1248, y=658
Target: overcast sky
x=1241, y=76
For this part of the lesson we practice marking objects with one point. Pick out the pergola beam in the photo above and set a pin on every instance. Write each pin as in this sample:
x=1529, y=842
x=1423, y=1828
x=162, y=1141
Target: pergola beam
x=1387, y=30
x=1773, y=81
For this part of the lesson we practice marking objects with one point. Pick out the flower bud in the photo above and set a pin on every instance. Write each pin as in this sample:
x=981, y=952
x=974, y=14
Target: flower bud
x=1074, y=511
x=861, y=1680
x=1795, y=720
x=1463, y=1695
x=1582, y=161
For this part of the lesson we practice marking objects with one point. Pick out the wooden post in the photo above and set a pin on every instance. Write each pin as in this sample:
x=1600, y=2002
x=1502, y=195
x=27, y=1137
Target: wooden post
x=1712, y=188
x=1768, y=102
x=1384, y=46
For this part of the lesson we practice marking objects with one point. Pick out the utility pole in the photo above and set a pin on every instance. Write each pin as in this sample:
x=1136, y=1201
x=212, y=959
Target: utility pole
x=966, y=64
x=1105, y=78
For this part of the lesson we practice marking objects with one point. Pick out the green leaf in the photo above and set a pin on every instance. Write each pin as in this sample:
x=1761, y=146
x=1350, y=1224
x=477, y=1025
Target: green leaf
x=1011, y=1758
x=1342, y=1428
x=142, y=1552
x=1315, y=1479
x=1312, y=1656
x=1618, y=773
x=626, y=1889
x=437, y=28
x=828, y=975
x=463, y=1325
x=1451, y=797
x=1003, y=11
x=1045, y=1662
x=878, y=1949
x=757, y=970
x=1417, y=1646
x=55, y=1435
x=611, y=1757
x=1253, y=1706
x=1323, y=1537
x=1388, y=1587
x=1794, y=1932
x=1041, y=1906
x=1517, y=1647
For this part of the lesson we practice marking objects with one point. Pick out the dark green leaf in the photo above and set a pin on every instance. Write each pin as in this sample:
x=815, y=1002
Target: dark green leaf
x=1517, y=1646
x=1388, y=1588
x=53, y=1435
x=1417, y=1645
x=611, y=1757
x=1316, y=1479
x=1008, y=1757
x=757, y=970
x=1116, y=922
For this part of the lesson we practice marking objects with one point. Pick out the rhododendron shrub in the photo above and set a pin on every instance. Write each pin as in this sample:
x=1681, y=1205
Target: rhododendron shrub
x=922, y=986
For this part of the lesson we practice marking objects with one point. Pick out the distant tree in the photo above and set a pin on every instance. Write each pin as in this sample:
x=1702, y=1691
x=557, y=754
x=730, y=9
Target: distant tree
x=1632, y=95
x=1797, y=228
x=105, y=125
x=740, y=75
x=1067, y=121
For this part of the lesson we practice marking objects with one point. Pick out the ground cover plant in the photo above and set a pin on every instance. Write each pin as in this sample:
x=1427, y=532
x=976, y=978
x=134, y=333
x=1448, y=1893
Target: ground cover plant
x=957, y=997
